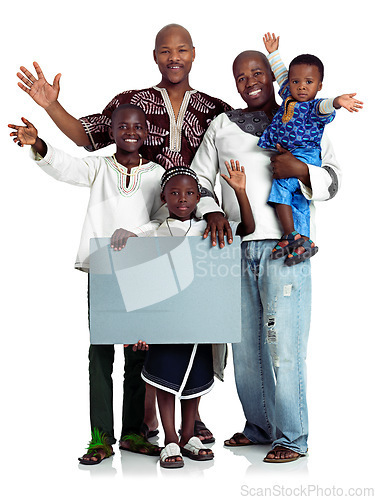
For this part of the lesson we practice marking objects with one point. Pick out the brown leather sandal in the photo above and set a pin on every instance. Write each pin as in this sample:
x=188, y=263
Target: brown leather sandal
x=236, y=438
x=282, y=460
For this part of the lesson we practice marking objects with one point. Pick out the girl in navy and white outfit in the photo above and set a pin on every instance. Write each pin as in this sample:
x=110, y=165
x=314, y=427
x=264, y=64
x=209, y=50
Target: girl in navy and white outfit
x=186, y=370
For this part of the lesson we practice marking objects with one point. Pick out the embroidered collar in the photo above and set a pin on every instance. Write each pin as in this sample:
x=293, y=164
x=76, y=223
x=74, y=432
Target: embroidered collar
x=135, y=178
x=175, y=124
x=251, y=122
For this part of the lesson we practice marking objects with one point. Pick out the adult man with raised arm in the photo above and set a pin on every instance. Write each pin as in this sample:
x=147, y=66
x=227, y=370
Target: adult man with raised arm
x=177, y=117
x=269, y=361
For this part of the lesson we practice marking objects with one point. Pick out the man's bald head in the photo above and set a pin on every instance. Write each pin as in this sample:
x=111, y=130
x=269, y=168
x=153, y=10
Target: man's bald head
x=172, y=29
x=248, y=55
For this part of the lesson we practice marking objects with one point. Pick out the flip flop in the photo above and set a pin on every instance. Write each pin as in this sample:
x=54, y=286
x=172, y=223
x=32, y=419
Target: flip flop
x=98, y=443
x=236, y=437
x=138, y=443
x=93, y=453
x=172, y=450
x=282, y=460
x=193, y=448
x=199, y=427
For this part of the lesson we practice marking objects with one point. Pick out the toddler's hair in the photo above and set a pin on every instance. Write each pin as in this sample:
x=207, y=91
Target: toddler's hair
x=310, y=60
x=171, y=172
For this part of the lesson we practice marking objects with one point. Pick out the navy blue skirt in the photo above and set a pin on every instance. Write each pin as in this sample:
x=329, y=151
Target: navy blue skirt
x=185, y=370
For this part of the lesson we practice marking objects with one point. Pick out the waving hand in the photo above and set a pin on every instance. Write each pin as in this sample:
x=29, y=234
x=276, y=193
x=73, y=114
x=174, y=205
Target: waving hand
x=38, y=88
x=24, y=135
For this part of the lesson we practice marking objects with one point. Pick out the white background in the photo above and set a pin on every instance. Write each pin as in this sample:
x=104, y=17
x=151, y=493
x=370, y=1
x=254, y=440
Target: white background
x=101, y=49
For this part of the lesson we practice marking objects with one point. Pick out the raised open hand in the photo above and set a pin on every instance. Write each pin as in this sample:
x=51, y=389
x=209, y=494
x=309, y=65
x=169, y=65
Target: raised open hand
x=348, y=102
x=271, y=42
x=38, y=88
x=24, y=135
x=237, y=177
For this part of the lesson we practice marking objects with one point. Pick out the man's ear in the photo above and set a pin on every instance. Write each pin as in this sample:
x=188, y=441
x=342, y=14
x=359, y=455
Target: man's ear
x=154, y=54
x=110, y=133
x=162, y=197
x=320, y=86
x=193, y=54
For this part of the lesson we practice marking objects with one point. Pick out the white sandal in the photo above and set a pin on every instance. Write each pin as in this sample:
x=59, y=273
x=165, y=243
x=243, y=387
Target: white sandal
x=172, y=450
x=192, y=449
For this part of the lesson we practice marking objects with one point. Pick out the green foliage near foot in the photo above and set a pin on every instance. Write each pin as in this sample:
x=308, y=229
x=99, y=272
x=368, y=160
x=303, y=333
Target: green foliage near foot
x=99, y=440
x=136, y=442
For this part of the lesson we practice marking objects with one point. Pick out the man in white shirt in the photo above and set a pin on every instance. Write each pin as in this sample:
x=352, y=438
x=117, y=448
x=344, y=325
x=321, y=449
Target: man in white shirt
x=269, y=361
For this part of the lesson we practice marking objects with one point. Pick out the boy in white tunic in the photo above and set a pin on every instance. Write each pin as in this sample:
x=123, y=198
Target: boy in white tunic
x=124, y=190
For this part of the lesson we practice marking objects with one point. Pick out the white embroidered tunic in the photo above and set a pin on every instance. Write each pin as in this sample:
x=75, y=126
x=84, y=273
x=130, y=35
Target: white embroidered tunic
x=112, y=205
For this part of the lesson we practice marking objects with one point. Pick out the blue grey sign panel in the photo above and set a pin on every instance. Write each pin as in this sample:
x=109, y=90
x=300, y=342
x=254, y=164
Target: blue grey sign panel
x=165, y=290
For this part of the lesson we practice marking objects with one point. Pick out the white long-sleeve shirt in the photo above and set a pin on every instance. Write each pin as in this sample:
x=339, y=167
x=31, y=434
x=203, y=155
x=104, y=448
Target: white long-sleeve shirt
x=226, y=140
x=112, y=205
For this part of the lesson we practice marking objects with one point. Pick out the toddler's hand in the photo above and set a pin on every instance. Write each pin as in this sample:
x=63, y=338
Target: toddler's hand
x=237, y=177
x=271, y=42
x=348, y=102
x=24, y=135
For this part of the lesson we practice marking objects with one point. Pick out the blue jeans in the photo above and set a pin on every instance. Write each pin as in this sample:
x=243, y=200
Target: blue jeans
x=269, y=362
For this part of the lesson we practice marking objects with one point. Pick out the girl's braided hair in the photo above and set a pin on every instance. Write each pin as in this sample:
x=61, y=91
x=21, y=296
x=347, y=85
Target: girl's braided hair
x=172, y=172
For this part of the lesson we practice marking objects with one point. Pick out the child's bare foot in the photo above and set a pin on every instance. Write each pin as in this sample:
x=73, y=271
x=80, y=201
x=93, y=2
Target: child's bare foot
x=170, y=457
x=174, y=458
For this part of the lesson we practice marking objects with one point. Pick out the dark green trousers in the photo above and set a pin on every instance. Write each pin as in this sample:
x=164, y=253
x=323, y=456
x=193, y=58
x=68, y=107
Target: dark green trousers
x=101, y=358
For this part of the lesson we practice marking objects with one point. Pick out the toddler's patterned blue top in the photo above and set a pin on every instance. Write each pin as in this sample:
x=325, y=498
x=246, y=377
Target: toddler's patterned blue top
x=296, y=124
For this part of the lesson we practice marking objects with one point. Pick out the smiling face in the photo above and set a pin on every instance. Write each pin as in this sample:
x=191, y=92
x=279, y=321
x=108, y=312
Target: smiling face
x=304, y=82
x=174, y=54
x=181, y=195
x=129, y=128
x=254, y=81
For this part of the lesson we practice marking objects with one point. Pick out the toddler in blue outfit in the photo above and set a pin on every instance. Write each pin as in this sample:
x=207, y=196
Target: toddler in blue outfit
x=298, y=127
